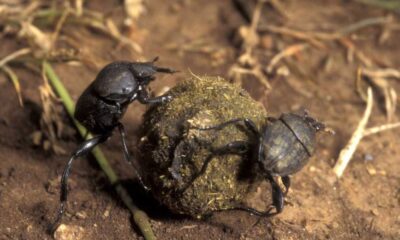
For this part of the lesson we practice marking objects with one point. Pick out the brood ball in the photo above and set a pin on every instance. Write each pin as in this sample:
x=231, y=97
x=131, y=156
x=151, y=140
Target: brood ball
x=172, y=151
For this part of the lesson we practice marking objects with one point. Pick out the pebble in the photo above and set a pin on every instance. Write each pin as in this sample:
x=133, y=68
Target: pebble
x=371, y=170
x=368, y=157
x=69, y=232
x=81, y=215
x=375, y=212
x=335, y=225
x=106, y=213
x=313, y=169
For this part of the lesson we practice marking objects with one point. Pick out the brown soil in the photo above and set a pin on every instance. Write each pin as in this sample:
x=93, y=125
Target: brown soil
x=360, y=206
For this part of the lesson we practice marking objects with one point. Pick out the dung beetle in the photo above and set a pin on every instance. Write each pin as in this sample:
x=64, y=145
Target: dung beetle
x=102, y=105
x=281, y=148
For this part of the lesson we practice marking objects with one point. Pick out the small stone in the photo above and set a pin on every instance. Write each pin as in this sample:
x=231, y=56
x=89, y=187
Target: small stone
x=335, y=225
x=53, y=185
x=68, y=232
x=283, y=71
x=375, y=212
x=313, y=169
x=81, y=215
x=371, y=170
x=368, y=157
x=106, y=213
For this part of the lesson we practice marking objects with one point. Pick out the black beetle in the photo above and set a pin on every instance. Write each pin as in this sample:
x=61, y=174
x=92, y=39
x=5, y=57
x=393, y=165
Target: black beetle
x=102, y=105
x=282, y=147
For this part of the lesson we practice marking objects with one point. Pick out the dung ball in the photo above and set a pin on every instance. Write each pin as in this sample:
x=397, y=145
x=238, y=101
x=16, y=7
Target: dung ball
x=173, y=150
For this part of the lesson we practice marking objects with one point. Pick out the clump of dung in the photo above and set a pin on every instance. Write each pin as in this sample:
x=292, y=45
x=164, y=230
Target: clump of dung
x=170, y=141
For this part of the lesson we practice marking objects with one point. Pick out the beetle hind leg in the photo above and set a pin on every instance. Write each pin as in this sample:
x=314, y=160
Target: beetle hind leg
x=236, y=147
x=82, y=150
x=277, y=194
x=277, y=202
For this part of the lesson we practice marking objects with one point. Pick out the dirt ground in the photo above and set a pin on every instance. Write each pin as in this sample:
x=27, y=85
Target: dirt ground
x=197, y=35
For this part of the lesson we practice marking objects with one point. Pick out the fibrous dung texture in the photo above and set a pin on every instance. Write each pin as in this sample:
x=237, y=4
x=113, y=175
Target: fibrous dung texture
x=173, y=151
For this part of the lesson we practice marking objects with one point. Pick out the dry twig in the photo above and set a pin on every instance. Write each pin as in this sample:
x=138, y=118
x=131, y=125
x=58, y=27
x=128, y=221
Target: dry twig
x=287, y=52
x=14, y=78
x=381, y=128
x=277, y=4
x=353, y=51
x=315, y=37
x=379, y=78
x=51, y=124
x=347, y=152
x=246, y=63
x=133, y=9
x=293, y=33
x=14, y=56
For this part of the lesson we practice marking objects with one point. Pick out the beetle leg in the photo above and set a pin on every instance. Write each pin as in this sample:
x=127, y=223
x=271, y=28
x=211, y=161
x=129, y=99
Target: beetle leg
x=248, y=123
x=119, y=108
x=220, y=126
x=127, y=155
x=237, y=147
x=83, y=149
x=183, y=149
x=144, y=98
x=253, y=211
x=277, y=202
x=277, y=194
x=175, y=166
x=286, y=182
x=133, y=98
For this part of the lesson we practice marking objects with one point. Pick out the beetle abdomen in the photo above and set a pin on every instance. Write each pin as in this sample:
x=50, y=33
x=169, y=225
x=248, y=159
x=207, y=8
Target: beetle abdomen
x=288, y=144
x=95, y=114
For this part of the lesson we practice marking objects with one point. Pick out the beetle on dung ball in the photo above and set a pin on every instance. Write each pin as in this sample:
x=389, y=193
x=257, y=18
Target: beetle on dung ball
x=282, y=147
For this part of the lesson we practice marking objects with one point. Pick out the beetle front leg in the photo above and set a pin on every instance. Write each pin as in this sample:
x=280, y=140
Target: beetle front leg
x=128, y=156
x=144, y=98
